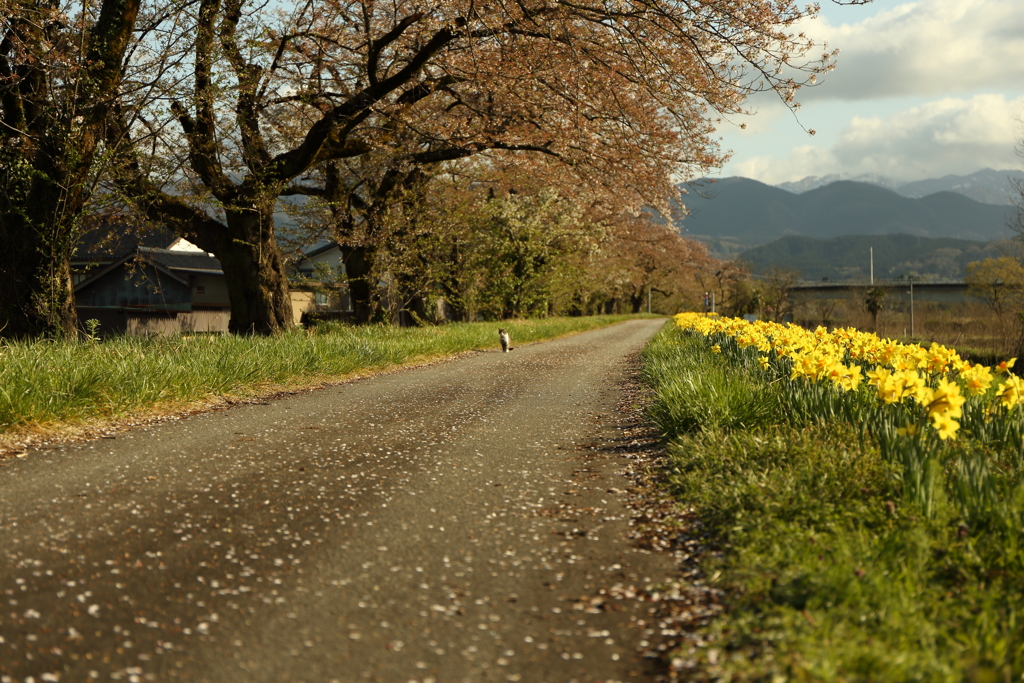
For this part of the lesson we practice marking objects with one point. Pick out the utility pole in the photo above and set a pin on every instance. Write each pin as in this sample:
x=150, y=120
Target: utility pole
x=871, y=251
x=648, y=299
x=911, y=307
x=712, y=301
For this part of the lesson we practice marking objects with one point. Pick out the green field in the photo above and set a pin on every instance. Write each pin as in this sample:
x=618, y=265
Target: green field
x=47, y=383
x=841, y=558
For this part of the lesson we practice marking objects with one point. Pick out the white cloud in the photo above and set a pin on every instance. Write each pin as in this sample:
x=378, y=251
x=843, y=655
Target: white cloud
x=950, y=135
x=928, y=48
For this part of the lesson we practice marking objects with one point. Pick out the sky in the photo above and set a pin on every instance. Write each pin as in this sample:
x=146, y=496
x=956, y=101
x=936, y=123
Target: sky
x=920, y=90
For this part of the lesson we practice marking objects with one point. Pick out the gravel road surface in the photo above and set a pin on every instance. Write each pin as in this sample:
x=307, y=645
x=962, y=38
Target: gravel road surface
x=462, y=521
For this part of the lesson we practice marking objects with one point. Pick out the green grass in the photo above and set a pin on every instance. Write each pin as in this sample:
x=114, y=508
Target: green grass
x=831, y=572
x=47, y=383
x=703, y=394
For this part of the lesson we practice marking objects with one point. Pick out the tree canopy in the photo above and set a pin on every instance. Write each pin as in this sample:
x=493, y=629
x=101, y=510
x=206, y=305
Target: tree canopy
x=223, y=107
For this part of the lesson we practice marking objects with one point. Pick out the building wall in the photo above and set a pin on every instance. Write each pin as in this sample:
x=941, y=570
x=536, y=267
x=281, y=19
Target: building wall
x=209, y=290
x=152, y=324
x=306, y=266
x=185, y=322
x=301, y=302
x=115, y=321
x=112, y=320
x=205, y=320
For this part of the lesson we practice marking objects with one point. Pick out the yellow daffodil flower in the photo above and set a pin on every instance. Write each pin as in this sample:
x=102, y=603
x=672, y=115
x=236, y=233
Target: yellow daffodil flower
x=946, y=426
x=910, y=430
x=1005, y=366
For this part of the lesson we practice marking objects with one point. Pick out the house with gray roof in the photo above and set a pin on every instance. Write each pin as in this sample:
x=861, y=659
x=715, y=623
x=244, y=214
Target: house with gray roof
x=149, y=283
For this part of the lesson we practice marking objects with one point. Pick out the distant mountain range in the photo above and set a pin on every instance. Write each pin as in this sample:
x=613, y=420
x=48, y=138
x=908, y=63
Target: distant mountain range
x=824, y=227
x=734, y=214
x=987, y=185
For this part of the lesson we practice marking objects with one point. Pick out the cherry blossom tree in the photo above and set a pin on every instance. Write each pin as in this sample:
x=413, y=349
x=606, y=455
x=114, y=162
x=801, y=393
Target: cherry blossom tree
x=644, y=257
x=622, y=95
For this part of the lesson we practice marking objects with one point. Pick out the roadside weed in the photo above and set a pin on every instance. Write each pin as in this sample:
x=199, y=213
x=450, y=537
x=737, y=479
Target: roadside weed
x=698, y=391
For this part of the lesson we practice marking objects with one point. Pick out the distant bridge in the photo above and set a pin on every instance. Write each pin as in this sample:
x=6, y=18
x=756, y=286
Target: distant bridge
x=896, y=290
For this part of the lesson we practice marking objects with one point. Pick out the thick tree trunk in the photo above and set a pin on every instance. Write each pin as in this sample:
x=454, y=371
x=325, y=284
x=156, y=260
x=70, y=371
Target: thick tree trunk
x=38, y=234
x=454, y=308
x=244, y=243
x=416, y=305
x=456, y=312
x=40, y=223
x=46, y=160
x=36, y=296
x=255, y=273
x=361, y=285
x=637, y=302
x=413, y=304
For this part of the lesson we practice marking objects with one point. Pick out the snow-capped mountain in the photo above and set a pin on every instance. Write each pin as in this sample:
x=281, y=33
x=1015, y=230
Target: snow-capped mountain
x=813, y=182
x=987, y=185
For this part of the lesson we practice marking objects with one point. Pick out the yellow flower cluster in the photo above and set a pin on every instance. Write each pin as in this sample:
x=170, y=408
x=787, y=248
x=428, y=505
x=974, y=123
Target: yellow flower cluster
x=934, y=378
x=893, y=387
x=943, y=404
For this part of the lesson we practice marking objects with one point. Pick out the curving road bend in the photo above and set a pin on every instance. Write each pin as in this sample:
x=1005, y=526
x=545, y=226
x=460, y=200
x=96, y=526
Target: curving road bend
x=454, y=522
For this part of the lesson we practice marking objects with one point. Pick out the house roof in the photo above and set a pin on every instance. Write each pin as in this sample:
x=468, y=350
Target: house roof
x=173, y=263
x=304, y=263
x=108, y=241
x=190, y=261
x=316, y=251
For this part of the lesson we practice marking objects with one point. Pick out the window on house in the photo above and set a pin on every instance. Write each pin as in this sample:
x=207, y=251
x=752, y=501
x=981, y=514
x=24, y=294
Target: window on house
x=200, y=289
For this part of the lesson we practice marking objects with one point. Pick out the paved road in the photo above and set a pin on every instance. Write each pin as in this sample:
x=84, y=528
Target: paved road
x=455, y=522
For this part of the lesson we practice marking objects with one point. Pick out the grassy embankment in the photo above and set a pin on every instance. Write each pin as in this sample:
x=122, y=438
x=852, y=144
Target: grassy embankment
x=46, y=384
x=850, y=552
